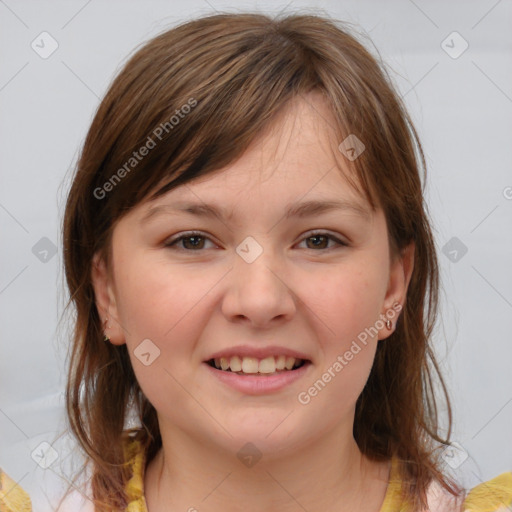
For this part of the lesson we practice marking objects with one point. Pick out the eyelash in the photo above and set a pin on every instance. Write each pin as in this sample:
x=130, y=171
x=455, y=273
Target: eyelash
x=172, y=243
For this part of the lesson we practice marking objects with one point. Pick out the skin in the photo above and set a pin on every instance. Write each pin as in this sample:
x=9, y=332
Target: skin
x=315, y=300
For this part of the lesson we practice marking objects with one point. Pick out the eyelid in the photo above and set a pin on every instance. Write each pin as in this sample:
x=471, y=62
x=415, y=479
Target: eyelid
x=186, y=234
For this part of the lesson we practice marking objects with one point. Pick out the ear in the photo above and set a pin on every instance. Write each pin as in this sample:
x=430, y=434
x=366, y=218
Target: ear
x=399, y=277
x=105, y=299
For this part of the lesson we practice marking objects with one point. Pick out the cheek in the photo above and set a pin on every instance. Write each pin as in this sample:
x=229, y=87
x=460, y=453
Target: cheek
x=161, y=303
x=349, y=306
x=158, y=299
x=350, y=302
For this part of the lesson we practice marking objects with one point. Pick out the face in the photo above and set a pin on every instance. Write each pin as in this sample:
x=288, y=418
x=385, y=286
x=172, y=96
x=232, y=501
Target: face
x=271, y=279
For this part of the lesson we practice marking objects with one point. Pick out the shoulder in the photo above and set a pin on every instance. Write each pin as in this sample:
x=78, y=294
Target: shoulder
x=492, y=496
x=13, y=498
x=76, y=501
x=134, y=453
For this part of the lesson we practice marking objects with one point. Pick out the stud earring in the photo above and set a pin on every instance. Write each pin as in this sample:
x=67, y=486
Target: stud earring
x=389, y=325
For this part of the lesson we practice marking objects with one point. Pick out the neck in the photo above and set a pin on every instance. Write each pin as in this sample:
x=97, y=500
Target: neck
x=328, y=474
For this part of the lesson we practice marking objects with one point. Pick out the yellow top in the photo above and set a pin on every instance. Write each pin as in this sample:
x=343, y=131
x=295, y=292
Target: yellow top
x=492, y=496
x=12, y=497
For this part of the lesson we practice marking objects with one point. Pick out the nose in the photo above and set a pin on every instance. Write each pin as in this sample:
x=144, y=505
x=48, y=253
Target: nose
x=258, y=292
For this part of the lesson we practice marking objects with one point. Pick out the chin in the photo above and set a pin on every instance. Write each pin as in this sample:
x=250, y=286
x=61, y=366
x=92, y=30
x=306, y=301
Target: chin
x=266, y=439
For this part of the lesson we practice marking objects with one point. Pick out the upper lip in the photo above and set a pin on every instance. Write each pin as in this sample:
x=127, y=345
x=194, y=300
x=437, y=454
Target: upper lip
x=258, y=352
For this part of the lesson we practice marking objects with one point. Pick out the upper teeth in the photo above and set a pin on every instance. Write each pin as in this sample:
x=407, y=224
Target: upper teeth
x=254, y=365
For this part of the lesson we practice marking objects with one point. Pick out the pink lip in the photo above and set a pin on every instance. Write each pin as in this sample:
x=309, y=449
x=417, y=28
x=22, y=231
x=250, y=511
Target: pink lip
x=259, y=384
x=258, y=352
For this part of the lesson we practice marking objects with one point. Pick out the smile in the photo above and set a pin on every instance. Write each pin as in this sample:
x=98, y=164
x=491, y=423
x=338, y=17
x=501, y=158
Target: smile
x=256, y=383
x=243, y=365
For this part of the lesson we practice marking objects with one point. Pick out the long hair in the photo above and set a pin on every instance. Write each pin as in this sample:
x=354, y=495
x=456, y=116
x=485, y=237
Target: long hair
x=198, y=95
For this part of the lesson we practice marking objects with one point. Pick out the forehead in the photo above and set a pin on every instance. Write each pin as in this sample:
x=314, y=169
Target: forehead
x=296, y=158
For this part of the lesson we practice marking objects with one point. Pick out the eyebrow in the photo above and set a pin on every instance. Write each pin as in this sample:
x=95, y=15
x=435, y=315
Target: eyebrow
x=298, y=209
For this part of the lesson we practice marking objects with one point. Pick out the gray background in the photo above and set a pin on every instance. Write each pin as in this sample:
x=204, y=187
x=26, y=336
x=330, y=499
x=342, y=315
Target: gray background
x=462, y=108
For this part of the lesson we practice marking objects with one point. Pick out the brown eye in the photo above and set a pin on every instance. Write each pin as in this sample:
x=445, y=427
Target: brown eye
x=188, y=242
x=321, y=241
x=193, y=242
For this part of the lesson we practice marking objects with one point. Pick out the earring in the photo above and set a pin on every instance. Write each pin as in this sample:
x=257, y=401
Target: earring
x=105, y=337
x=389, y=325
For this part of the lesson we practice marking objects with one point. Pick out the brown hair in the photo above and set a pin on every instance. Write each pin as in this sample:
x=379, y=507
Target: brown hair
x=236, y=72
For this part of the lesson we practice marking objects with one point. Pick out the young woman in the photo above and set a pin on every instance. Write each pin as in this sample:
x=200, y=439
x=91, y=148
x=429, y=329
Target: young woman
x=249, y=254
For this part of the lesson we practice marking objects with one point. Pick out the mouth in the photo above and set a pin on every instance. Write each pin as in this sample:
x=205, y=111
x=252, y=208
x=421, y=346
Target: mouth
x=268, y=366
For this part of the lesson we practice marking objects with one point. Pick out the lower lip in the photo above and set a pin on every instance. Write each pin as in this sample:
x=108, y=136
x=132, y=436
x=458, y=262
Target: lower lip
x=258, y=385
